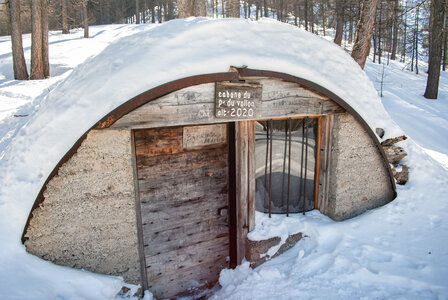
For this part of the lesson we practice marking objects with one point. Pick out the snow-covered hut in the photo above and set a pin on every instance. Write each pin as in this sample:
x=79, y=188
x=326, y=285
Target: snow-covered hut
x=175, y=135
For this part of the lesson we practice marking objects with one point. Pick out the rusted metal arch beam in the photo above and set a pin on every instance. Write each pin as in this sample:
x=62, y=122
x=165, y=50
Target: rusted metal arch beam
x=172, y=86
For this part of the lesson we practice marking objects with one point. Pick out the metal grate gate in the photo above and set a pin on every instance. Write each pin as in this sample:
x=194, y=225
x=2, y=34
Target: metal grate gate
x=285, y=165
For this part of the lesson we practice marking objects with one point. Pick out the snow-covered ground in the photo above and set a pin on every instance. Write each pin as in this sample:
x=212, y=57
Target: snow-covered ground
x=397, y=251
x=425, y=121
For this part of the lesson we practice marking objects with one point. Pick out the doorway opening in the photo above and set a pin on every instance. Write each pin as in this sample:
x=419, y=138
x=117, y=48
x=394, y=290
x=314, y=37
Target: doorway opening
x=183, y=193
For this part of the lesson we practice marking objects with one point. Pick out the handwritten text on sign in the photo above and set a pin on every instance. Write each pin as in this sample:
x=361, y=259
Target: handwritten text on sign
x=194, y=136
x=236, y=101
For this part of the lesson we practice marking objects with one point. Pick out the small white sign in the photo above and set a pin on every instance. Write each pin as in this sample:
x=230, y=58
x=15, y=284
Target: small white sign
x=195, y=136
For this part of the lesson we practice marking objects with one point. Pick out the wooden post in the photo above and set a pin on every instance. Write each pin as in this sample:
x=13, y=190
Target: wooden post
x=325, y=163
x=251, y=175
x=317, y=172
x=245, y=183
x=138, y=215
x=241, y=146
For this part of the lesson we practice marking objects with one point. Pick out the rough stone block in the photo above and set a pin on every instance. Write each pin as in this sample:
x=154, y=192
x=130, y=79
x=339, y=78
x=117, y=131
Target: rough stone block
x=256, y=250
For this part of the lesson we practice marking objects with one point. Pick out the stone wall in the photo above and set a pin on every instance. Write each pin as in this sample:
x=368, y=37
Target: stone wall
x=88, y=218
x=256, y=251
x=358, y=177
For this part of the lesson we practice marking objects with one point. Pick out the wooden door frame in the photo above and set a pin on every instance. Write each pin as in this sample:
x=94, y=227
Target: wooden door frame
x=319, y=149
x=243, y=204
x=233, y=245
x=138, y=215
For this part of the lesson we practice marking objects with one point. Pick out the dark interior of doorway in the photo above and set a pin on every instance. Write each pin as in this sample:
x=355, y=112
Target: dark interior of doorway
x=285, y=165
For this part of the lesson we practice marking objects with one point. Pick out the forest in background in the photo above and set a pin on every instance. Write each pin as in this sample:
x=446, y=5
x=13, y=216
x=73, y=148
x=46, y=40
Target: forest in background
x=402, y=28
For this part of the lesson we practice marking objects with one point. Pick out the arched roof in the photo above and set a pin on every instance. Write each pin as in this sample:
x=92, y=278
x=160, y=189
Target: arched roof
x=189, y=48
x=183, y=48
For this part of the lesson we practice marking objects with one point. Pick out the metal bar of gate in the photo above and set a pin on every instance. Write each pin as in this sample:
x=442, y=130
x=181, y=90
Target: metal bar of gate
x=270, y=166
x=289, y=166
x=306, y=164
x=284, y=162
x=301, y=165
x=266, y=166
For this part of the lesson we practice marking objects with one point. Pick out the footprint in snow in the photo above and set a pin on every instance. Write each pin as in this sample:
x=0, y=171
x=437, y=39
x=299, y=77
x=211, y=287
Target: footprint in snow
x=375, y=255
x=406, y=262
x=394, y=219
x=381, y=241
x=318, y=265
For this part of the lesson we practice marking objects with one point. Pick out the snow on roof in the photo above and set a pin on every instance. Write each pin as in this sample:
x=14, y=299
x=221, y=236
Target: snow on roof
x=157, y=54
x=182, y=48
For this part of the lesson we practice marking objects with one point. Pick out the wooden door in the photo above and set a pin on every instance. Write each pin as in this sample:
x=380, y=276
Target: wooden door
x=183, y=191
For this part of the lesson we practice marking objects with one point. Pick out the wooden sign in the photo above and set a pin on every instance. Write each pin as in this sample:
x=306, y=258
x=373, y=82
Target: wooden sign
x=194, y=136
x=236, y=101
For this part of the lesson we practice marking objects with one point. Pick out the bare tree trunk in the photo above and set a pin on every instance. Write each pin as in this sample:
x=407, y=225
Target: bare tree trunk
x=45, y=53
x=311, y=15
x=339, y=22
x=435, y=52
x=380, y=32
x=145, y=11
x=364, y=31
x=123, y=12
x=18, y=59
x=65, y=28
x=153, y=11
x=350, y=22
x=171, y=9
x=233, y=8
x=188, y=8
x=85, y=19
x=374, y=46
x=296, y=12
x=137, y=11
x=200, y=8
x=280, y=11
x=306, y=16
x=323, y=14
x=159, y=11
x=37, y=71
x=165, y=9
x=222, y=9
x=405, y=25
x=265, y=4
x=416, y=39
x=257, y=8
x=413, y=51
x=395, y=31
x=445, y=41
x=100, y=6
